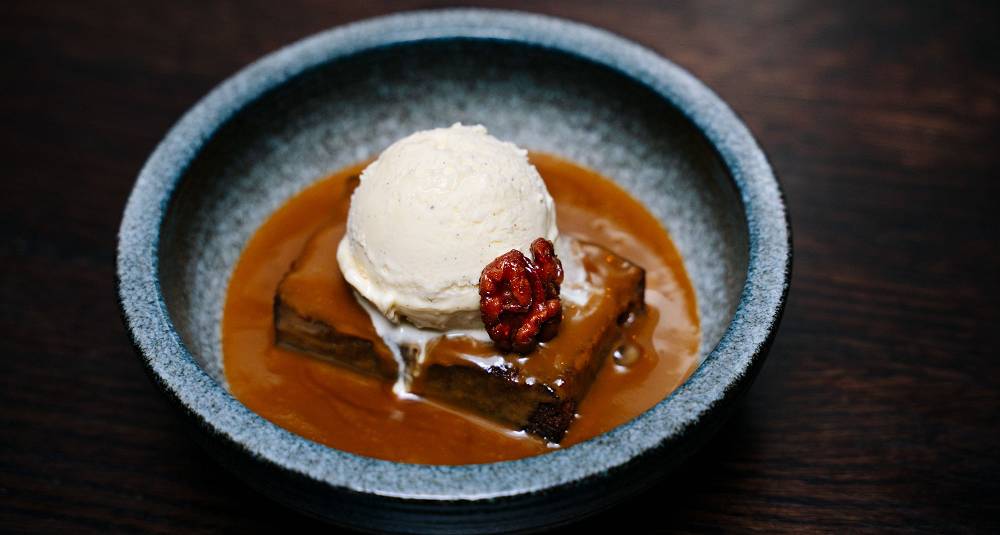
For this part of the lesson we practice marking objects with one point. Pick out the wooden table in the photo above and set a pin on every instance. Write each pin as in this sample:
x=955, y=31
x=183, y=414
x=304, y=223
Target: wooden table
x=879, y=406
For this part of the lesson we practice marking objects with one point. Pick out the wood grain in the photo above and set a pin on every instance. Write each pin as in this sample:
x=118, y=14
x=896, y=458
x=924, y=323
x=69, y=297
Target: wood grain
x=880, y=403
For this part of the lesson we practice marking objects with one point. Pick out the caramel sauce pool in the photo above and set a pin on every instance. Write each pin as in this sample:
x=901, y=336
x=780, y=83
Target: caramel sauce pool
x=361, y=415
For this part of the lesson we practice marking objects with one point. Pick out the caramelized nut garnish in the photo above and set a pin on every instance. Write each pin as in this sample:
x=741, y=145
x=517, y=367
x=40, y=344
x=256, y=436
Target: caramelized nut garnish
x=519, y=298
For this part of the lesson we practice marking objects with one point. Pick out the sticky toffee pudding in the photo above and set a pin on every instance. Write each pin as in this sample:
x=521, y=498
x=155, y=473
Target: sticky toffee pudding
x=304, y=350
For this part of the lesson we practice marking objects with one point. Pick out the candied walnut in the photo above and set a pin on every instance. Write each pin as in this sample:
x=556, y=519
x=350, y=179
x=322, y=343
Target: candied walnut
x=519, y=298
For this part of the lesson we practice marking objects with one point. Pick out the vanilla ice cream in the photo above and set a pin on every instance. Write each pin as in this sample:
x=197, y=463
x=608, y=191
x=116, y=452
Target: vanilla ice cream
x=430, y=213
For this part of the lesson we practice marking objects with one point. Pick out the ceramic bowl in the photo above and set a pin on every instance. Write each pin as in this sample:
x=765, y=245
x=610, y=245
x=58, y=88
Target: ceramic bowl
x=343, y=95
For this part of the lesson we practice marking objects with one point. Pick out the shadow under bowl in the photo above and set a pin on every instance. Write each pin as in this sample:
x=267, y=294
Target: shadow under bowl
x=342, y=96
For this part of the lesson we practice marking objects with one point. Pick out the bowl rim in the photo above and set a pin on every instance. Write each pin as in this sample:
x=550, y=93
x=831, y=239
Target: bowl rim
x=744, y=342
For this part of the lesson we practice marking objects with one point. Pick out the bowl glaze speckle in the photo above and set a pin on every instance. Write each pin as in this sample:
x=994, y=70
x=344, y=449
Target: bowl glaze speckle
x=341, y=96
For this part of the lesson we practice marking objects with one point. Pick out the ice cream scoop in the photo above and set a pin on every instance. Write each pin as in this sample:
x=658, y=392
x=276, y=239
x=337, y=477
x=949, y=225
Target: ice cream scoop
x=430, y=213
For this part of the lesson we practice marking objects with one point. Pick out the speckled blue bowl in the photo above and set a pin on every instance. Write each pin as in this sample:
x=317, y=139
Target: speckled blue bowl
x=343, y=95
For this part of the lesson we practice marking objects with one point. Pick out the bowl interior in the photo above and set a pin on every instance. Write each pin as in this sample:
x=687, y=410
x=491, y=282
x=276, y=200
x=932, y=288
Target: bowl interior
x=351, y=108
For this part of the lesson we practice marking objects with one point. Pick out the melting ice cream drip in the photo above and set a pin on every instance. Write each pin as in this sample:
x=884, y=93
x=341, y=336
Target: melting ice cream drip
x=576, y=290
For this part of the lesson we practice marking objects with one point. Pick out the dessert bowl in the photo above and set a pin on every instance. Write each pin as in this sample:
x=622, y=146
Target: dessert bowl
x=340, y=97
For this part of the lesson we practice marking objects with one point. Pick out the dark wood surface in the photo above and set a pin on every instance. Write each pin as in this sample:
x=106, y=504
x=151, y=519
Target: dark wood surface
x=879, y=407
